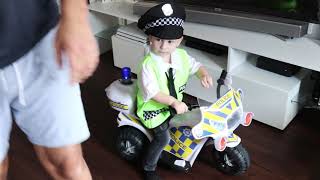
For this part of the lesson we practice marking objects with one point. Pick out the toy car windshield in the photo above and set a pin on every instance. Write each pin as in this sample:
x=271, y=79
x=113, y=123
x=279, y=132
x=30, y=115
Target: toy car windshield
x=222, y=116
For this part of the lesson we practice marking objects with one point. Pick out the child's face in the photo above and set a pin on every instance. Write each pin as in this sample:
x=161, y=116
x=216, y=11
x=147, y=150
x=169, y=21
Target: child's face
x=163, y=47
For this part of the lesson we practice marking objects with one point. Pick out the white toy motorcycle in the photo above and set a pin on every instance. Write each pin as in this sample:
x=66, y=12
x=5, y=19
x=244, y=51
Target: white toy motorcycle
x=190, y=132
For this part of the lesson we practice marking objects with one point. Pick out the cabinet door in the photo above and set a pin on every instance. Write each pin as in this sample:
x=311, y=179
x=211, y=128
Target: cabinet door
x=127, y=52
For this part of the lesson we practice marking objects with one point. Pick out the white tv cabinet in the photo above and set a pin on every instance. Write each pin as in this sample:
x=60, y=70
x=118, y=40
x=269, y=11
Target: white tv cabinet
x=272, y=97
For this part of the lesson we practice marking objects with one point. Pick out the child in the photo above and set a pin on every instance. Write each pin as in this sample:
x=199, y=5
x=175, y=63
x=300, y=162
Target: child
x=163, y=75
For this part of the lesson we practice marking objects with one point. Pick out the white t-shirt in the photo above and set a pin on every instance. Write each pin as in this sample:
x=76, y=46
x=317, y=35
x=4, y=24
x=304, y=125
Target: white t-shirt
x=148, y=83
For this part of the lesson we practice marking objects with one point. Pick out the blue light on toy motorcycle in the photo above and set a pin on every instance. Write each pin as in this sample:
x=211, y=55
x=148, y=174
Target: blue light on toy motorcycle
x=125, y=73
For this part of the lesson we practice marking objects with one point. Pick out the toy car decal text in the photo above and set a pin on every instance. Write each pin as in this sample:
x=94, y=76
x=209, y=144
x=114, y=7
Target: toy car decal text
x=223, y=100
x=118, y=105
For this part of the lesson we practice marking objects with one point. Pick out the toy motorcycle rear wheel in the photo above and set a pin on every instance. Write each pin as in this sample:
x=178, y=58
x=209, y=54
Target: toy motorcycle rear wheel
x=130, y=143
x=232, y=161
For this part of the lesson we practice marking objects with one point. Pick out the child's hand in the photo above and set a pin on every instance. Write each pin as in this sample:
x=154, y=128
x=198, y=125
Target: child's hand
x=206, y=80
x=180, y=107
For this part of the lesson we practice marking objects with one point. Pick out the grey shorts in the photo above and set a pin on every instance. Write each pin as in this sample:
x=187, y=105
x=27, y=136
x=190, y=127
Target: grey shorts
x=45, y=106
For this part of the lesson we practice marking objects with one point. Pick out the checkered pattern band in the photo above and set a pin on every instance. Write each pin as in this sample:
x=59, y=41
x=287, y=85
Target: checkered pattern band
x=165, y=22
x=147, y=115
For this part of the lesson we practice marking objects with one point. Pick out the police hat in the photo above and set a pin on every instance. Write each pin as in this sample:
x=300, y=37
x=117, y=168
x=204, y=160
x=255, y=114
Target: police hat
x=164, y=21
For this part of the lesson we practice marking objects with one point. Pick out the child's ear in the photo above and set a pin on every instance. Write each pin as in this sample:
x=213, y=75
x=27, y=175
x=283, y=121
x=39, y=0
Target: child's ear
x=148, y=40
x=179, y=41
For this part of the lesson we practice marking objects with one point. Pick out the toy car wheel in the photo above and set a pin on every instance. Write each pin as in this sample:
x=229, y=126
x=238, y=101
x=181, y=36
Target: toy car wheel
x=232, y=161
x=130, y=143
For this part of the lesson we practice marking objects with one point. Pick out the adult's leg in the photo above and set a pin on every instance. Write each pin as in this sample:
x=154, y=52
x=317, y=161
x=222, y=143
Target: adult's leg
x=5, y=122
x=4, y=168
x=64, y=162
x=49, y=111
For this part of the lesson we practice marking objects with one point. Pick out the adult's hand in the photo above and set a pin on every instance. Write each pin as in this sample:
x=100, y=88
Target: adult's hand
x=75, y=39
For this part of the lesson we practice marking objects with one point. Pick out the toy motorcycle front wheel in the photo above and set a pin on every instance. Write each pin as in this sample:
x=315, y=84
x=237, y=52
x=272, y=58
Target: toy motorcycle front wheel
x=130, y=143
x=232, y=161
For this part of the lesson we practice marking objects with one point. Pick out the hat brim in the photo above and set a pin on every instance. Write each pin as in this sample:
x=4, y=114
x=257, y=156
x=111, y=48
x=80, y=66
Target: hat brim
x=166, y=32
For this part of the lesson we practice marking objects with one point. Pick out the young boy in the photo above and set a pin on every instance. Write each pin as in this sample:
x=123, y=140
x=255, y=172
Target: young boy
x=163, y=75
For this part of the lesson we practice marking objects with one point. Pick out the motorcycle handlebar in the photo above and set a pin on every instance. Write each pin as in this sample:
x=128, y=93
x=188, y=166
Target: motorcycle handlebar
x=190, y=107
x=220, y=82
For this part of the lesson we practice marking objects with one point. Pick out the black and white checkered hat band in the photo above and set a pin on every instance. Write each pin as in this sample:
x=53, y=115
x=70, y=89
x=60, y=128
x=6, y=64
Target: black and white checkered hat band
x=164, y=22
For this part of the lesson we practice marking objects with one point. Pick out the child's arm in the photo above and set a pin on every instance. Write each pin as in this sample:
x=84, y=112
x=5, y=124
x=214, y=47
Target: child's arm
x=179, y=106
x=204, y=76
x=201, y=72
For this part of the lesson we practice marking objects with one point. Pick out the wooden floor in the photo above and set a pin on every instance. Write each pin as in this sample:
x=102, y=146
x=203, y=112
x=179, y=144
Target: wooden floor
x=292, y=154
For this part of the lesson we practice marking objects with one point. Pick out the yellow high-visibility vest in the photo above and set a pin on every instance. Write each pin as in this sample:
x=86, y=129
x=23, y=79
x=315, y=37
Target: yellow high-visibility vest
x=152, y=113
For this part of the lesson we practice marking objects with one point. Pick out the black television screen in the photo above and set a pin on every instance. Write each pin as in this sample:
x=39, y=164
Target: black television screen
x=303, y=10
x=288, y=18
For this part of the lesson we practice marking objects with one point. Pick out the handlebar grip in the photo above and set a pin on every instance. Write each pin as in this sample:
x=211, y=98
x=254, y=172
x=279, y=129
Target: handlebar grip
x=172, y=111
x=192, y=106
x=220, y=82
x=222, y=77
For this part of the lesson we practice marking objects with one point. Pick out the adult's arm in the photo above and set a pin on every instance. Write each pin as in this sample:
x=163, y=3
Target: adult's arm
x=75, y=39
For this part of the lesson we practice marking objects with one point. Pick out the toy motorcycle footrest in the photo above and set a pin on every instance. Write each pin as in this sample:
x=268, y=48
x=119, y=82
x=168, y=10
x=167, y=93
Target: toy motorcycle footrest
x=174, y=162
